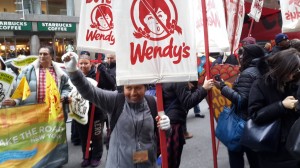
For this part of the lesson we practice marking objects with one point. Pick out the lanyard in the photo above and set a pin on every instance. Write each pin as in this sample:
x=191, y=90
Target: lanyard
x=135, y=124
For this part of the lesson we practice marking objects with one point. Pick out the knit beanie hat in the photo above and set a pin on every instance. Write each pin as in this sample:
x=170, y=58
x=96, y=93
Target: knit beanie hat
x=248, y=40
x=254, y=50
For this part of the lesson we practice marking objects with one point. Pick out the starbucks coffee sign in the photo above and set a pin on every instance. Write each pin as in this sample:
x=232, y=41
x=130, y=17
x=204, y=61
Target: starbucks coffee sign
x=15, y=25
x=56, y=26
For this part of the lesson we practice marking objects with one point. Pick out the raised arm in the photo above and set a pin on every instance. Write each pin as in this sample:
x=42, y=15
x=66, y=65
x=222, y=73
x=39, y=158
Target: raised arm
x=101, y=98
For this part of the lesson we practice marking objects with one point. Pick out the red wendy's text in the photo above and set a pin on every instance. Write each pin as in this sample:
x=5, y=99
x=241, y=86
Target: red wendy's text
x=142, y=52
x=95, y=35
x=292, y=15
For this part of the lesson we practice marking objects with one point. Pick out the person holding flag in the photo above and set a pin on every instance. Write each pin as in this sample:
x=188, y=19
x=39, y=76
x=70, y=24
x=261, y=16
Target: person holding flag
x=35, y=74
x=133, y=140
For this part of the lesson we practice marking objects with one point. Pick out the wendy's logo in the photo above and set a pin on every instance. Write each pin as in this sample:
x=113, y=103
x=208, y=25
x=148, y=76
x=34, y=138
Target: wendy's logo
x=154, y=19
x=102, y=18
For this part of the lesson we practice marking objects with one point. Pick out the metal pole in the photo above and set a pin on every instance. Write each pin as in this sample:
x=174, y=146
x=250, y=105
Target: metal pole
x=251, y=26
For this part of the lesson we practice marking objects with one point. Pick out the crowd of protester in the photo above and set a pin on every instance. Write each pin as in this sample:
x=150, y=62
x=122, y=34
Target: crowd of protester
x=266, y=90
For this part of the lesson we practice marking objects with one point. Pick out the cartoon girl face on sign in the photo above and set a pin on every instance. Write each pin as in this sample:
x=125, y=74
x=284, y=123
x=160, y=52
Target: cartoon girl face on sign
x=104, y=17
x=154, y=22
x=155, y=17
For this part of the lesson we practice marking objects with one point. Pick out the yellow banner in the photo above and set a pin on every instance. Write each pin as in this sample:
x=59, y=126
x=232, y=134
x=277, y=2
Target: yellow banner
x=219, y=101
x=26, y=138
x=23, y=62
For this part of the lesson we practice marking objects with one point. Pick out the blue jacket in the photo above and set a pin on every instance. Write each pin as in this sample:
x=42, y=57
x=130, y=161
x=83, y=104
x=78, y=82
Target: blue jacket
x=32, y=72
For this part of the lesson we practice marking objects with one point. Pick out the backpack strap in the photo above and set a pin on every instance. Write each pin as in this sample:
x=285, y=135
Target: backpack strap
x=117, y=110
x=153, y=108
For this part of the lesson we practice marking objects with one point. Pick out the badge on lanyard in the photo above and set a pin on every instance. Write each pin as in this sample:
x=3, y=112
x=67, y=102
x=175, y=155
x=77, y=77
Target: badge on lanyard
x=140, y=156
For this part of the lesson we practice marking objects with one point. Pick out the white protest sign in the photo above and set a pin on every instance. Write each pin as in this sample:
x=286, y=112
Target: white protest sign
x=79, y=107
x=96, y=26
x=290, y=12
x=217, y=32
x=6, y=84
x=256, y=9
x=232, y=6
x=155, y=41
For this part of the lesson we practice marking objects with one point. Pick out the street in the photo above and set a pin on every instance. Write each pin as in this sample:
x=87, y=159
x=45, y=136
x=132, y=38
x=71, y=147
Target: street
x=197, y=153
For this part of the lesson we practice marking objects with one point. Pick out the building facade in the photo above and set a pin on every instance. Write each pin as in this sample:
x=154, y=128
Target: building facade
x=25, y=25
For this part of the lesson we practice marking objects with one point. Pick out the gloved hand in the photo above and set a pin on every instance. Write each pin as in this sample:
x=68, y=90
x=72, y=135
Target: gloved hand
x=70, y=59
x=101, y=68
x=163, y=122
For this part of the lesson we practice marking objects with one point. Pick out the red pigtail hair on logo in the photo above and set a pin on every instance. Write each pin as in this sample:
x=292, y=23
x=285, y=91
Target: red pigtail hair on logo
x=141, y=33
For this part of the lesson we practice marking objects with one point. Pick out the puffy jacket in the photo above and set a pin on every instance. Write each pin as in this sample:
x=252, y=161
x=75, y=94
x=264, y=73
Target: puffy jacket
x=32, y=72
x=241, y=88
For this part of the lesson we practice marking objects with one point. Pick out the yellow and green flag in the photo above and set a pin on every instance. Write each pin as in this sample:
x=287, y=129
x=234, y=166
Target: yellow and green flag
x=22, y=91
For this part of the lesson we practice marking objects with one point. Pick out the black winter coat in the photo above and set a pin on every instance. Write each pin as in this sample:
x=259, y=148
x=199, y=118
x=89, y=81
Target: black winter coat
x=178, y=99
x=107, y=76
x=241, y=89
x=265, y=105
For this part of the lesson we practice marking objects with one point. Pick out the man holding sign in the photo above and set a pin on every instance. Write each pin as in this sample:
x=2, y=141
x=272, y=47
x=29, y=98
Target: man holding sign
x=133, y=139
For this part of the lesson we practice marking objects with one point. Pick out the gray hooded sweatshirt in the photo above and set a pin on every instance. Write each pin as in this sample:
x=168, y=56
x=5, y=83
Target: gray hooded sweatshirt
x=133, y=131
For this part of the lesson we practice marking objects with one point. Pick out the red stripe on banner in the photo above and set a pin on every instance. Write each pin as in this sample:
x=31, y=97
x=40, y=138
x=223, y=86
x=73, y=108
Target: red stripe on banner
x=162, y=134
x=207, y=70
x=236, y=18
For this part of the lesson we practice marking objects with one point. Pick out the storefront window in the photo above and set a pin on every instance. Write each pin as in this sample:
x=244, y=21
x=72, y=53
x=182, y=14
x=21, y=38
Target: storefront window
x=8, y=48
x=22, y=46
x=52, y=7
x=8, y=6
x=57, y=7
x=61, y=45
x=11, y=47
